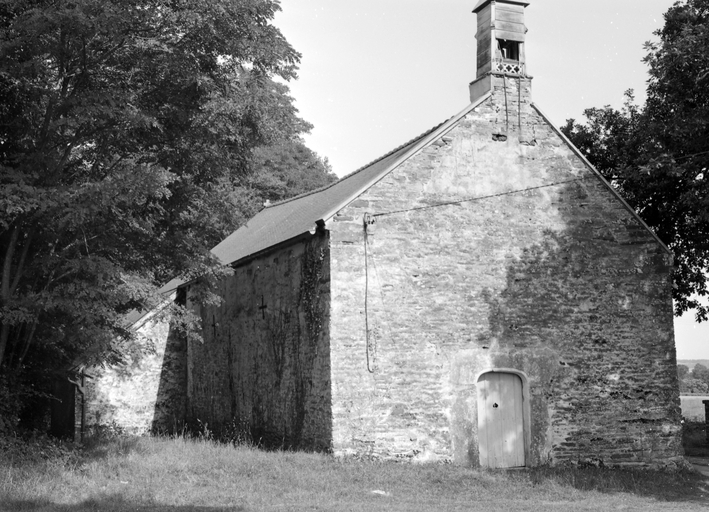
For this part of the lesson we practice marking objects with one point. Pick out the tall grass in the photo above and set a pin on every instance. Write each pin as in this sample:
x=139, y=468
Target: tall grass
x=182, y=474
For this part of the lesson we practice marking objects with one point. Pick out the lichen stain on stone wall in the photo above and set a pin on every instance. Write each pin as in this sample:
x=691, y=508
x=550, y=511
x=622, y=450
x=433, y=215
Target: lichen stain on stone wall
x=144, y=394
x=559, y=282
x=264, y=364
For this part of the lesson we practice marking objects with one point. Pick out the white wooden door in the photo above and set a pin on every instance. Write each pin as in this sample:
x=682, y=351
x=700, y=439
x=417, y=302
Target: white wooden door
x=500, y=421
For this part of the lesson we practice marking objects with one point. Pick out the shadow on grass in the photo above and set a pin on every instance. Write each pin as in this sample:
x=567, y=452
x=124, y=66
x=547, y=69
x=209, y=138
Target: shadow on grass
x=99, y=448
x=681, y=486
x=107, y=504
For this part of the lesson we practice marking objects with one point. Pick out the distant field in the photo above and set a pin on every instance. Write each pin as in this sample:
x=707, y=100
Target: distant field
x=693, y=408
x=691, y=362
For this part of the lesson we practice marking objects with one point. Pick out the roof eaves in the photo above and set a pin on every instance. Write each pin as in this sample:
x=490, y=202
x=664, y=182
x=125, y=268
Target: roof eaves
x=172, y=285
x=425, y=139
x=578, y=153
x=140, y=322
x=139, y=317
x=176, y=283
x=271, y=248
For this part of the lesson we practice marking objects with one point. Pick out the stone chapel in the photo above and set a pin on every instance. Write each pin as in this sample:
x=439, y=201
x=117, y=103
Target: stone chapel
x=479, y=295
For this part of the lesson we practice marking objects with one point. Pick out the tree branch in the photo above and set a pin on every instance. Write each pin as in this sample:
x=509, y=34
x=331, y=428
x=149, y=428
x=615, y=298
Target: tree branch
x=5, y=287
x=28, y=342
x=20, y=266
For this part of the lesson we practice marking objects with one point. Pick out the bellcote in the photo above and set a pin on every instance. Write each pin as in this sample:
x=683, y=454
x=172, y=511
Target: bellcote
x=501, y=35
x=501, y=69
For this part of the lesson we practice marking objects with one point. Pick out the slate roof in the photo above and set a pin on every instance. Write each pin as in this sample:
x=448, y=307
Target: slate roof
x=293, y=217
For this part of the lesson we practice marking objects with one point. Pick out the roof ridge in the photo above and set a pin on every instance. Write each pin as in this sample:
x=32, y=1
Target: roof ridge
x=357, y=171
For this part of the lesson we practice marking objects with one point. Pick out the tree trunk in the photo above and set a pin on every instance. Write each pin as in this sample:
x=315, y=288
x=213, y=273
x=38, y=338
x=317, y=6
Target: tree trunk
x=5, y=288
x=4, y=335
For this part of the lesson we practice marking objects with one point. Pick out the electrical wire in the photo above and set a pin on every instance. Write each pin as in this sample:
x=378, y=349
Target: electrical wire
x=480, y=198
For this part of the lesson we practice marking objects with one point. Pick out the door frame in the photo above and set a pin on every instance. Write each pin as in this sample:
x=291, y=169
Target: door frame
x=526, y=407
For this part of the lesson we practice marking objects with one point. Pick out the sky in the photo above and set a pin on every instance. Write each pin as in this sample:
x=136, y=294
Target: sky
x=377, y=73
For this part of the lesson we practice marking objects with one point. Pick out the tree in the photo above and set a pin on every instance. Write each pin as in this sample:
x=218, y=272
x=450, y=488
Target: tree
x=287, y=169
x=682, y=371
x=658, y=156
x=701, y=373
x=691, y=385
x=126, y=137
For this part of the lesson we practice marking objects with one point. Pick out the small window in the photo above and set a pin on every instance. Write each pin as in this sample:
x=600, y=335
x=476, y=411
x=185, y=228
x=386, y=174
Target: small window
x=508, y=49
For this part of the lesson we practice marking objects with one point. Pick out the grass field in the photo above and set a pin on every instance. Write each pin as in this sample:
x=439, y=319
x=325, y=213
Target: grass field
x=693, y=408
x=183, y=475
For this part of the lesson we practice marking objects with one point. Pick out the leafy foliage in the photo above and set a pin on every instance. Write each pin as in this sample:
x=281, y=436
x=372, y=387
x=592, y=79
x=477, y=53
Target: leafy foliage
x=658, y=156
x=701, y=372
x=695, y=381
x=287, y=169
x=691, y=385
x=127, y=131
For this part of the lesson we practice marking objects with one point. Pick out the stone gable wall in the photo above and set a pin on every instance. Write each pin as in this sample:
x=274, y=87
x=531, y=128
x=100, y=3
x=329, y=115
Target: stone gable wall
x=559, y=283
x=264, y=373
x=146, y=394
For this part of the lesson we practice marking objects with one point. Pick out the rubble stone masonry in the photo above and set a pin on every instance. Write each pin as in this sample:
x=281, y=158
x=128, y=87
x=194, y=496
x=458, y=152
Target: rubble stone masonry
x=533, y=266
x=147, y=392
x=495, y=248
x=263, y=368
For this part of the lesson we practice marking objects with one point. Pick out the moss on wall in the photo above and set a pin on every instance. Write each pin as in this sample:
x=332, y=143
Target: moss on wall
x=264, y=363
